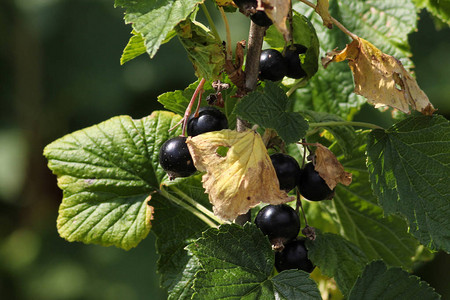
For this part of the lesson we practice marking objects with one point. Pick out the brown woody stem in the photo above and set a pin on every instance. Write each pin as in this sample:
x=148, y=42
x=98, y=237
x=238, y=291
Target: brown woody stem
x=255, y=41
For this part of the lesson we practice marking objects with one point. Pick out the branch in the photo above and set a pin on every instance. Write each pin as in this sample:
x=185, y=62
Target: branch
x=255, y=41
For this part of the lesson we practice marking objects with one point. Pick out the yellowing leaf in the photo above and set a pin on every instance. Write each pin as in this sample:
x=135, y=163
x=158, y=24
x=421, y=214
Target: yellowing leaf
x=381, y=78
x=322, y=10
x=277, y=11
x=225, y=3
x=239, y=172
x=329, y=168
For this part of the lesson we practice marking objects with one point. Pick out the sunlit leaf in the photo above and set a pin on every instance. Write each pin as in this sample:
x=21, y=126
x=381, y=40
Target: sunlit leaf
x=242, y=178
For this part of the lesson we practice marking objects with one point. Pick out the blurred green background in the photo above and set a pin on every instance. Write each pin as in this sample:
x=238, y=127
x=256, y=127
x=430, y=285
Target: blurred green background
x=59, y=72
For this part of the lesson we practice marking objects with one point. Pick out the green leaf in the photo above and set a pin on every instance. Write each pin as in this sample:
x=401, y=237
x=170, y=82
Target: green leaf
x=237, y=263
x=175, y=228
x=384, y=23
x=330, y=91
x=438, y=8
x=355, y=211
x=337, y=258
x=204, y=50
x=107, y=173
x=136, y=46
x=268, y=108
x=155, y=20
x=303, y=34
x=409, y=167
x=378, y=282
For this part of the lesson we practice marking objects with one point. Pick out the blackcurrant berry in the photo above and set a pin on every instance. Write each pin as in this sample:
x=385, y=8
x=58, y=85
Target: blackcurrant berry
x=272, y=65
x=175, y=159
x=312, y=186
x=279, y=222
x=260, y=18
x=209, y=119
x=287, y=169
x=294, y=67
x=293, y=256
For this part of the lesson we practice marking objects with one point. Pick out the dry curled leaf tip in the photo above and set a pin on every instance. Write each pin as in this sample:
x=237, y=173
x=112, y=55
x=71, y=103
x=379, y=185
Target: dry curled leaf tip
x=381, y=78
x=329, y=168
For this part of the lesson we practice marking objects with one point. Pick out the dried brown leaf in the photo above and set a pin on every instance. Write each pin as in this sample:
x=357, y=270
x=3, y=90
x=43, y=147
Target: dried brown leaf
x=277, y=11
x=241, y=178
x=381, y=78
x=322, y=10
x=329, y=168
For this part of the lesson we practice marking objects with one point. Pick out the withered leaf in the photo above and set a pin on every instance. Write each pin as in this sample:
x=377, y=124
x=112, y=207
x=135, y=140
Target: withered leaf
x=322, y=10
x=239, y=172
x=277, y=11
x=381, y=78
x=329, y=168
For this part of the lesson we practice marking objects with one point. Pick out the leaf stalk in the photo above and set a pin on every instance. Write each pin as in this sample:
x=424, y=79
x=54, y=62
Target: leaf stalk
x=191, y=209
x=348, y=123
x=335, y=22
x=211, y=22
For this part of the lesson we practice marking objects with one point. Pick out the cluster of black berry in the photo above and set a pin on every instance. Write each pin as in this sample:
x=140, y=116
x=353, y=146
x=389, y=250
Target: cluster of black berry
x=308, y=181
x=274, y=66
x=248, y=8
x=174, y=156
x=281, y=223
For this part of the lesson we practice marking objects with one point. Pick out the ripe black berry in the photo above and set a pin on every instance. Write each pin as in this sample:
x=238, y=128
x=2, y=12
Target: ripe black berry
x=312, y=186
x=293, y=256
x=209, y=119
x=287, y=169
x=260, y=18
x=294, y=67
x=175, y=159
x=279, y=222
x=272, y=65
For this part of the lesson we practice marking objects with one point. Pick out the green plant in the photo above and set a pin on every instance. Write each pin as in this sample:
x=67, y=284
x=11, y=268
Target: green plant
x=392, y=209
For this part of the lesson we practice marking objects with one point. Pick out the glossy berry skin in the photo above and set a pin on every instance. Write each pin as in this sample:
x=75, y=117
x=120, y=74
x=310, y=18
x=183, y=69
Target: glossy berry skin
x=175, y=159
x=294, y=256
x=278, y=222
x=272, y=65
x=287, y=169
x=312, y=186
x=291, y=56
x=260, y=18
x=209, y=119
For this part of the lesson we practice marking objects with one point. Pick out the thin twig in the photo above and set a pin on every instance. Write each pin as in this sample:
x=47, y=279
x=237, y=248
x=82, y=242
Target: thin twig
x=335, y=22
x=211, y=22
x=227, y=28
x=189, y=108
x=299, y=204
